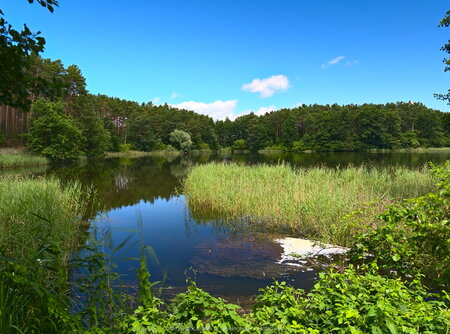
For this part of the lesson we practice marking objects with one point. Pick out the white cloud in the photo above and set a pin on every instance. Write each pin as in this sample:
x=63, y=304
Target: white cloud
x=268, y=86
x=174, y=95
x=352, y=62
x=333, y=61
x=217, y=109
x=261, y=111
x=156, y=100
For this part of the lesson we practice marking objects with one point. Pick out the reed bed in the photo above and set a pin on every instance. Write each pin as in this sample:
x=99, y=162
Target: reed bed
x=12, y=157
x=306, y=202
x=138, y=154
x=35, y=213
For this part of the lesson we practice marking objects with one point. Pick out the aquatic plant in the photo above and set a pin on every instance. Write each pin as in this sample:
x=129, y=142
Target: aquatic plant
x=308, y=202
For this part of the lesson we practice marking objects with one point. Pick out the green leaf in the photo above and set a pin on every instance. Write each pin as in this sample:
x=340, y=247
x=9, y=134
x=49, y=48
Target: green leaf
x=391, y=326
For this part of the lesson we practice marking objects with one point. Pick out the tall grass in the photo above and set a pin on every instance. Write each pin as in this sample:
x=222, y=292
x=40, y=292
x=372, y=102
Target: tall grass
x=33, y=211
x=308, y=202
x=12, y=157
x=39, y=228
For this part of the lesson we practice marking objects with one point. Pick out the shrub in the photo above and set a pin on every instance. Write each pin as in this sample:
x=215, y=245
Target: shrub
x=181, y=140
x=125, y=147
x=413, y=237
x=52, y=133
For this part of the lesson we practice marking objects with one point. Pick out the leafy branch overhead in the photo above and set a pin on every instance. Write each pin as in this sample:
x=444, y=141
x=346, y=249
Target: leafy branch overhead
x=15, y=49
x=49, y=4
x=445, y=22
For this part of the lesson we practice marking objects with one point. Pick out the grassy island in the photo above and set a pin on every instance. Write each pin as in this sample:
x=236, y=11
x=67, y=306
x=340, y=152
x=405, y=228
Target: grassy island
x=309, y=202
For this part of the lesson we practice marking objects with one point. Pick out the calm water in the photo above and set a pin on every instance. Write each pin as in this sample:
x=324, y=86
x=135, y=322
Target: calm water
x=141, y=200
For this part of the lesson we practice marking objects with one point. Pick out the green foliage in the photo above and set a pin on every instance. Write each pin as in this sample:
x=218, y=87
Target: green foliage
x=198, y=310
x=369, y=303
x=239, y=145
x=280, y=308
x=39, y=228
x=140, y=133
x=30, y=303
x=125, y=147
x=203, y=146
x=16, y=48
x=53, y=134
x=345, y=302
x=413, y=237
x=445, y=22
x=96, y=139
x=181, y=140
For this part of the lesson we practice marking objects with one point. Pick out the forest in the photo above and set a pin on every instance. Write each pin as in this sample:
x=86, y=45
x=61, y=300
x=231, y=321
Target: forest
x=91, y=125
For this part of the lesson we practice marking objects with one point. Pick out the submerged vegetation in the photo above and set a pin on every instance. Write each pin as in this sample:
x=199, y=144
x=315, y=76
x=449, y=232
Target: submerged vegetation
x=309, y=202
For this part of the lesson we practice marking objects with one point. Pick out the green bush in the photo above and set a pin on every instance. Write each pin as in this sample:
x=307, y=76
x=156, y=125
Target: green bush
x=125, y=147
x=239, y=145
x=203, y=146
x=412, y=238
x=53, y=134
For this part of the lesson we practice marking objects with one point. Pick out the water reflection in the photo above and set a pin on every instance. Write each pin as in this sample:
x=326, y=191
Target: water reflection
x=142, y=199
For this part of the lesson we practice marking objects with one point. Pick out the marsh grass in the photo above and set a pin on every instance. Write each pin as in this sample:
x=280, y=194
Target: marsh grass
x=306, y=202
x=39, y=229
x=33, y=210
x=137, y=154
x=13, y=157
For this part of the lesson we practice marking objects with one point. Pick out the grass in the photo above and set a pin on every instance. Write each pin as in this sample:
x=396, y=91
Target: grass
x=137, y=154
x=15, y=157
x=39, y=230
x=34, y=212
x=307, y=202
x=434, y=150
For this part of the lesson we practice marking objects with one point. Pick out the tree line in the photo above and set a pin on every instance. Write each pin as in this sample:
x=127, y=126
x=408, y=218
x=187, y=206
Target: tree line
x=47, y=106
x=65, y=121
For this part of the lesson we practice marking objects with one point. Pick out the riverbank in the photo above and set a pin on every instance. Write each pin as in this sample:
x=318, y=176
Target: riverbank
x=19, y=157
x=139, y=154
x=307, y=202
x=427, y=150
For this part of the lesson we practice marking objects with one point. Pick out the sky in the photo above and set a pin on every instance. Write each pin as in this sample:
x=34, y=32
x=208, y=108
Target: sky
x=226, y=58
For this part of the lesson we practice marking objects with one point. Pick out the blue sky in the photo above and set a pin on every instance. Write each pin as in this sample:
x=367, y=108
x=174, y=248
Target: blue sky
x=229, y=57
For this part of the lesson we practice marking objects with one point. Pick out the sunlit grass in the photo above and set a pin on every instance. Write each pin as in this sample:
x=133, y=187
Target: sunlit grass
x=34, y=212
x=13, y=157
x=307, y=202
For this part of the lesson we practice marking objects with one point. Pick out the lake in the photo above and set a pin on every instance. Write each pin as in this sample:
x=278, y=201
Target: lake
x=141, y=201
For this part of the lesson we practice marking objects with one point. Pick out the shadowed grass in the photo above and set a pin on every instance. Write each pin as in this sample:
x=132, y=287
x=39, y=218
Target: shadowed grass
x=137, y=154
x=308, y=202
x=430, y=150
x=13, y=157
